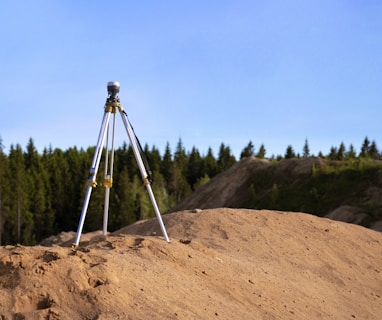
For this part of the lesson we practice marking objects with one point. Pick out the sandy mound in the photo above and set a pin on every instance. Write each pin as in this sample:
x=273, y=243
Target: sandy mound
x=220, y=264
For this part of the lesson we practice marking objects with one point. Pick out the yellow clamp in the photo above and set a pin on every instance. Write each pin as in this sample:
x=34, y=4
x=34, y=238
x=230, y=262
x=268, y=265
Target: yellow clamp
x=111, y=107
x=92, y=183
x=108, y=182
x=146, y=181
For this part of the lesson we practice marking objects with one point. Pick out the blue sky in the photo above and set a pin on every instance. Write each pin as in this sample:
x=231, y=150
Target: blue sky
x=206, y=72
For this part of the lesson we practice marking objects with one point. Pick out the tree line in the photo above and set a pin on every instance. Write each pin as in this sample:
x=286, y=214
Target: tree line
x=42, y=194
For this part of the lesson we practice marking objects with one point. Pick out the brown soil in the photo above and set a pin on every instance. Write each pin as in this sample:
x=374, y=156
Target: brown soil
x=220, y=264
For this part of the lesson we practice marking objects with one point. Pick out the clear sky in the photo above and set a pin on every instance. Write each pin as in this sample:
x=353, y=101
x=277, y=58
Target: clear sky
x=206, y=72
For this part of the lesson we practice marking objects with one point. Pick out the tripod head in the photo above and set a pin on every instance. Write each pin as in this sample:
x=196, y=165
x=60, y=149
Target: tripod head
x=113, y=88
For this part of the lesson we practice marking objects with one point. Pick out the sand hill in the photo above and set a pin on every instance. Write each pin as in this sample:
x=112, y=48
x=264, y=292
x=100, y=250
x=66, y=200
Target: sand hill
x=360, y=203
x=220, y=264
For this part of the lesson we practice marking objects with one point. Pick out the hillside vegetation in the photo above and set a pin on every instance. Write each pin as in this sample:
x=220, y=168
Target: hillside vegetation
x=350, y=191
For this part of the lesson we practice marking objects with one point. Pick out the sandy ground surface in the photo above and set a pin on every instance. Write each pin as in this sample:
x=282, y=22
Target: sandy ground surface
x=220, y=264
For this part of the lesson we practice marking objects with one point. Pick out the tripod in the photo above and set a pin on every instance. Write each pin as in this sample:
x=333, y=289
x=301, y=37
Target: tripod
x=111, y=106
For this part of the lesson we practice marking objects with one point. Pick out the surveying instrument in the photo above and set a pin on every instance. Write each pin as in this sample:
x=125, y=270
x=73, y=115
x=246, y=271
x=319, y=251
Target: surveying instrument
x=111, y=106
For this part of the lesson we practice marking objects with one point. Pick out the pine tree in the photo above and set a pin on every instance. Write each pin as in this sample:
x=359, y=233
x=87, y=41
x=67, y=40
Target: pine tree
x=333, y=154
x=166, y=164
x=121, y=211
x=120, y=157
x=341, y=151
x=210, y=164
x=161, y=194
x=179, y=187
x=365, y=148
x=195, y=168
x=261, y=153
x=74, y=183
x=289, y=153
x=39, y=193
x=351, y=154
x=373, y=151
x=305, y=149
x=131, y=163
x=4, y=189
x=248, y=151
x=142, y=205
x=153, y=158
x=19, y=216
x=225, y=159
x=58, y=171
x=180, y=158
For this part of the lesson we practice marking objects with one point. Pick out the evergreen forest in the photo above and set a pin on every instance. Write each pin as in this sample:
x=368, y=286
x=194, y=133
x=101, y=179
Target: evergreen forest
x=42, y=194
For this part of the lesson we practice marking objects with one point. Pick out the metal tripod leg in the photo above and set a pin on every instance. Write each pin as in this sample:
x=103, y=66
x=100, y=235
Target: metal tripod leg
x=142, y=169
x=108, y=179
x=93, y=173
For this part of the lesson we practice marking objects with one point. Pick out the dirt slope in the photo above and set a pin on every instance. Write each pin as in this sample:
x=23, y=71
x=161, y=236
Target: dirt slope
x=360, y=202
x=226, y=188
x=220, y=264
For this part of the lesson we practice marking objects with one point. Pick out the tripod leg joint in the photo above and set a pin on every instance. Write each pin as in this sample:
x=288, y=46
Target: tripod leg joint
x=91, y=178
x=108, y=182
x=146, y=181
x=92, y=183
x=112, y=106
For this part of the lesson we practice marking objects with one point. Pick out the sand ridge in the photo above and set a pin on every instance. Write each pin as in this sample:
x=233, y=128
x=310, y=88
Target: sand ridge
x=220, y=264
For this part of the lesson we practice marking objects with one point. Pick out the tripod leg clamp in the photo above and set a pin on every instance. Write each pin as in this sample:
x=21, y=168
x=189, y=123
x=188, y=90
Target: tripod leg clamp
x=146, y=181
x=111, y=107
x=108, y=182
x=92, y=183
